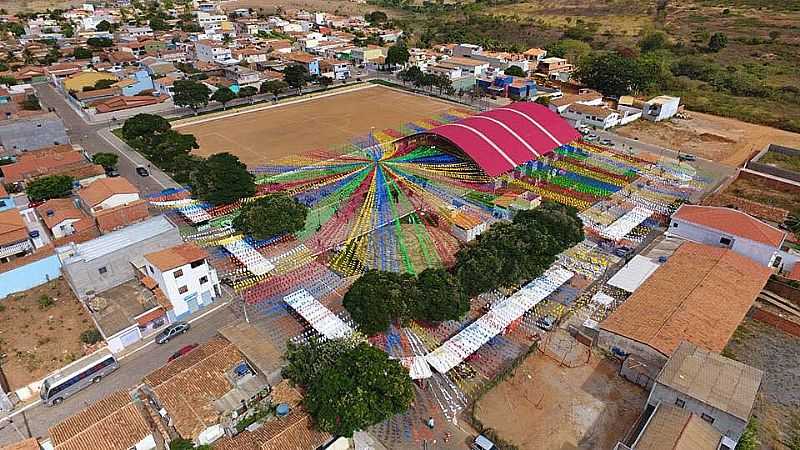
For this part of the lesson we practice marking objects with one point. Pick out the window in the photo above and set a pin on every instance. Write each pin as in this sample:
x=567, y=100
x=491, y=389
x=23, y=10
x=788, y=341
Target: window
x=150, y=268
x=183, y=290
x=725, y=241
x=203, y=280
x=198, y=263
x=674, y=224
x=680, y=403
x=707, y=418
x=178, y=273
x=102, y=270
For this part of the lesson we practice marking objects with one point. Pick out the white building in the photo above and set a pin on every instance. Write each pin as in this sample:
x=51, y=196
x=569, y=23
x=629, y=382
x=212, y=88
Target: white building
x=207, y=20
x=107, y=193
x=595, y=116
x=729, y=228
x=212, y=51
x=185, y=277
x=660, y=108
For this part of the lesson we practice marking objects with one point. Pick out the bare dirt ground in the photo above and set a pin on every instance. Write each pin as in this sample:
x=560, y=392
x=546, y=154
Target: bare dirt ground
x=762, y=193
x=37, y=339
x=775, y=352
x=727, y=141
x=556, y=407
x=13, y=6
x=321, y=124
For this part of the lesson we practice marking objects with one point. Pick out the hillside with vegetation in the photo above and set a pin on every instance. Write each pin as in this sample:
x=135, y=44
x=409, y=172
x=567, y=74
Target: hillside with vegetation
x=734, y=58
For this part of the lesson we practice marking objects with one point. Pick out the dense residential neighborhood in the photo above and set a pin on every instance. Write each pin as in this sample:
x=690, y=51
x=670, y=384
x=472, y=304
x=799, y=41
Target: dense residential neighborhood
x=346, y=226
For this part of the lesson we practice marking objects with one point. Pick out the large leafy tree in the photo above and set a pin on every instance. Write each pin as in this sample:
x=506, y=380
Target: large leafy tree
x=379, y=298
x=271, y=215
x=248, y=92
x=144, y=127
x=515, y=71
x=191, y=94
x=100, y=42
x=439, y=297
x=349, y=386
x=274, y=87
x=104, y=25
x=615, y=74
x=296, y=76
x=397, y=55
x=82, y=53
x=222, y=178
x=51, y=186
x=223, y=95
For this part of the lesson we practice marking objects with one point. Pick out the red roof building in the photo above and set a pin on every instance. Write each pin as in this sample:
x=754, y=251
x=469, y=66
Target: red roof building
x=503, y=138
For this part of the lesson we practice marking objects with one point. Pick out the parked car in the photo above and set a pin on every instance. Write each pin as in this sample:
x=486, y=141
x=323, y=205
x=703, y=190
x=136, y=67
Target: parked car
x=547, y=323
x=142, y=171
x=686, y=157
x=183, y=350
x=606, y=142
x=590, y=137
x=623, y=251
x=172, y=331
x=111, y=172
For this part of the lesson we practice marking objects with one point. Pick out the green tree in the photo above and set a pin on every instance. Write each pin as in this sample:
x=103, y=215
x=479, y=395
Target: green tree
x=248, y=92
x=51, y=186
x=167, y=147
x=717, y=42
x=68, y=30
x=31, y=103
x=515, y=71
x=82, y=53
x=792, y=222
x=223, y=95
x=378, y=298
x=571, y=49
x=614, y=74
x=100, y=42
x=376, y=17
x=325, y=81
x=411, y=75
x=397, y=55
x=749, y=438
x=107, y=160
x=296, y=76
x=271, y=215
x=159, y=24
x=104, y=25
x=91, y=337
x=355, y=385
x=190, y=94
x=274, y=87
x=181, y=444
x=654, y=40
x=144, y=126
x=221, y=179
x=439, y=297
x=8, y=80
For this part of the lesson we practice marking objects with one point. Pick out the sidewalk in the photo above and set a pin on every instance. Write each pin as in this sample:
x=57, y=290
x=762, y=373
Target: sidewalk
x=156, y=174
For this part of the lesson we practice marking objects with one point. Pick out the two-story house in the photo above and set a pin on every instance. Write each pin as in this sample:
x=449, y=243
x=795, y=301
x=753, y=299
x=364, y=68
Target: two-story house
x=209, y=51
x=14, y=239
x=184, y=276
x=107, y=193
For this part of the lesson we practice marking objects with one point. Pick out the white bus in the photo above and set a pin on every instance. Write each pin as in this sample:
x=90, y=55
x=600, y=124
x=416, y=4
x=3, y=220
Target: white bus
x=77, y=376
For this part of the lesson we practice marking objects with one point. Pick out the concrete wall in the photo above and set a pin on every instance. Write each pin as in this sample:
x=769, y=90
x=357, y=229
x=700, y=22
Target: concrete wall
x=758, y=252
x=609, y=341
x=29, y=276
x=725, y=423
x=85, y=278
x=757, y=165
x=115, y=200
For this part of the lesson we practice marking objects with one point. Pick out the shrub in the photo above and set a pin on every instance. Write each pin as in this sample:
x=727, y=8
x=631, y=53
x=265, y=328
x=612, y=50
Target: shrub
x=91, y=337
x=45, y=302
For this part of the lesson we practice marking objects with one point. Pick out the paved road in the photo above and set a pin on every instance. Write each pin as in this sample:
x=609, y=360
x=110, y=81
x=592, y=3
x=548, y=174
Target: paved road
x=133, y=367
x=98, y=138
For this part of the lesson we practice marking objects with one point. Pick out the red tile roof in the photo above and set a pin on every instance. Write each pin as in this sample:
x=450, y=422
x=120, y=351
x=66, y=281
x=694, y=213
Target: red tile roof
x=293, y=432
x=732, y=222
x=177, y=256
x=795, y=273
x=57, y=210
x=12, y=227
x=101, y=190
x=41, y=162
x=700, y=295
x=114, y=218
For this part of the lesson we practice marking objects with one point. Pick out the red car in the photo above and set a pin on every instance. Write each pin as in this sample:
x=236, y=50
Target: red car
x=183, y=350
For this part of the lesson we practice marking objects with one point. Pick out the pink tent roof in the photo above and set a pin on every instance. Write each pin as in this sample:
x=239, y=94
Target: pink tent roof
x=503, y=138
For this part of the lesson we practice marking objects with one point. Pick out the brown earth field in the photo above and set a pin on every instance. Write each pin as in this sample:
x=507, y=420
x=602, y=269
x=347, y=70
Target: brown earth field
x=555, y=407
x=37, y=337
x=319, y=124
x=724, y=140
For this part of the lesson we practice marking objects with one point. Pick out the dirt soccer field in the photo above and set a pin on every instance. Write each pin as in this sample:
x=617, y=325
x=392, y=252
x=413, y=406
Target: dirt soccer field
x=318, y=124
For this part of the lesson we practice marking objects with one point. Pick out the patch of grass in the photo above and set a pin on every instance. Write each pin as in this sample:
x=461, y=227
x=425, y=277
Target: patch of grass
x=45, y=301
x=788, y=162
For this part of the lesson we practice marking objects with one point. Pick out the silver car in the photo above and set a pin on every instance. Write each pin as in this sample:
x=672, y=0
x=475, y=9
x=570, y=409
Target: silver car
x=172, y=331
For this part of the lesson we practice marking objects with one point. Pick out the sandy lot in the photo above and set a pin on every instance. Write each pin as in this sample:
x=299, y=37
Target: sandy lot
x=320, y=124
x=35, y=340
x=728, y=141
x=554, y=407
x=775, y=352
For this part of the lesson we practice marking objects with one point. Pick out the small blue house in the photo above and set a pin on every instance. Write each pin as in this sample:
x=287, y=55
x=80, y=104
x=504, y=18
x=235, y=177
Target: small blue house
x=141, y=82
